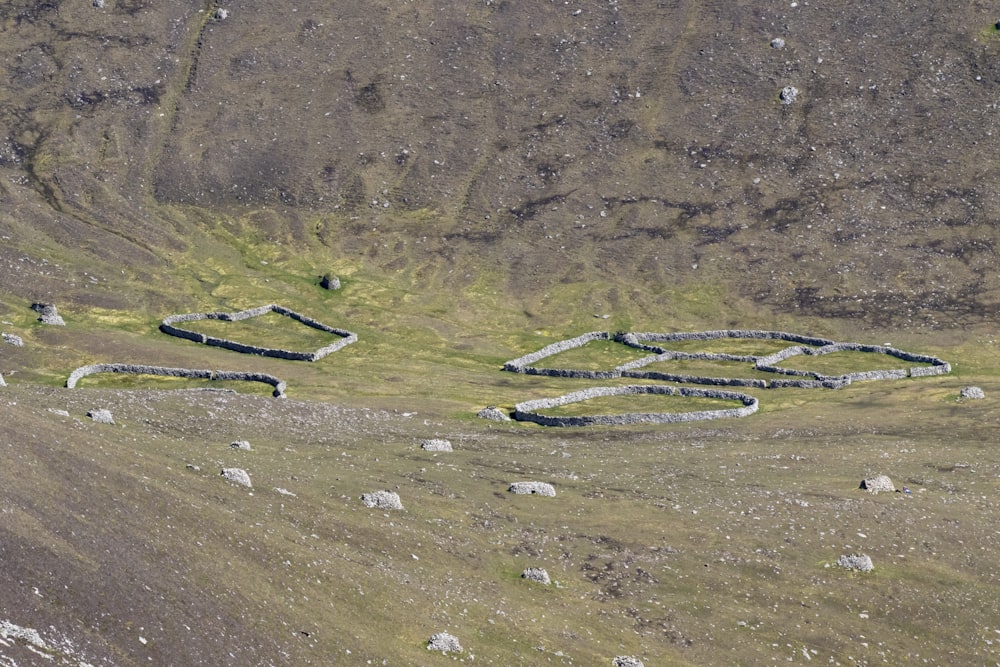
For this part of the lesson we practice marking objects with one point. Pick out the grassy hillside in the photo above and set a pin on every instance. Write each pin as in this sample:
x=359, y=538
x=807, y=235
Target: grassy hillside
x=486, y=179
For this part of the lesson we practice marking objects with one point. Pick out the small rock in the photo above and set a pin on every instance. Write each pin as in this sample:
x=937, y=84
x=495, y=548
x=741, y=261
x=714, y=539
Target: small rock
x=237, y=476
x=442, y=641
x=101, y=416
x=386, y=500
x=494, y=414
x=16, y=341
x=329, y=282
x=98, y=3
x=240, y=444
x=789, y=94
x=3, y=382
x=777, y=43
x=536, y=574
x=57, y=411
x=193, y=467
x=971, y=392
x=627, y=661
x=47, y=314
x=859, y=562
x=877, y=484
x=221, y=14
x=528, y=488
x=436, y=445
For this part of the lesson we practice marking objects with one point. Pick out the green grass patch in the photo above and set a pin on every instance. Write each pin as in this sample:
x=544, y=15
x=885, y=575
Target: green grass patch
x=603, y=355
x=708, y=368
x=268, y=330
x=838, y=363
x=743, y=346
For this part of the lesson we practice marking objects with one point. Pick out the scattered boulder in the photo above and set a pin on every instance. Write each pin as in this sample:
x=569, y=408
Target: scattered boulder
x=436, y=445
x=494, y=414
x=98, y=4
x=627, y=661
x=877, y=484
x=191, y=466
x=536, y=574
x=442, y=641
x=971, y=392
x=101, y=416
x=237, y=476
x=329, y=282
x=16, y=341
x=789, y=94
x=859, y=562
x=221, y=14
x=3, y=383
x=386, y=500
x=240, y=444
x=528, y=488
x=777, y=43
x=47, y=314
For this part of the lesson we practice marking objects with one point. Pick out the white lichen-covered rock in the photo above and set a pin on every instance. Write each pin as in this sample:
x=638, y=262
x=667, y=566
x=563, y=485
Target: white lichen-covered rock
x=11, y=339
x=221, y=14
x=877, y=484
x=436, y=445
x=442, y=641
x=385, y=500
x=859, y=562
x=240, y=444
x=777, y=43
x=971, y=392
x=237, y=476
x=789, y=94
x=101, y=416
x=627, y=661
x=3, y=383
x=494, y=414
x=536, y=488
x=536, y=574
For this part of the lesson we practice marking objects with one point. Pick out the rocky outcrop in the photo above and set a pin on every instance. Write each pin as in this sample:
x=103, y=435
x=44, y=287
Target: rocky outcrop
x=11, y=339
x=168, y=326
x=194, y=373
x=536, y=574
x=493, y=413
x=626, y=661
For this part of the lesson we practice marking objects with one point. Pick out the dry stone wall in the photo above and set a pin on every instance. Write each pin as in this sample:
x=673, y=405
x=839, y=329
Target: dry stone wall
x=193, y=373
x=168, y=326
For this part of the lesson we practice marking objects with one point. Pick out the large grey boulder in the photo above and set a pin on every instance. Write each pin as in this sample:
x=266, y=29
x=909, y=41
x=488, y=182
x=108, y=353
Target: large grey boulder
x=329, y=282
x=16, y=341
x=494, y=414
x=442, y=641
x=237, y=476
x=627, y=661
x=385, y=500
x=877, y=484
x=47, y=314
x=101, y=416
x=859, y=562
x=536, y=488
x=536, y=574
x=971, y=392
x=436, y=445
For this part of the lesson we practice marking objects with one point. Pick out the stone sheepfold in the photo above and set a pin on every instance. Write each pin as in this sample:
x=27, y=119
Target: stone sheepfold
x=657, y=345
x=528, y=410
x=163, y=371
x=346, y=337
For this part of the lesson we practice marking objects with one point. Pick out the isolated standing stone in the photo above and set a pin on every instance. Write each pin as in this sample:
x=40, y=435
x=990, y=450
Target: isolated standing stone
x=101, y=416
x=237, y=476
x=386, y=500
x=47, y=314
x=859, y=562
x=329, y=282
x=436, y=445
x=494, y=414
x=971, y=392
x=442, y=641
x=536, y=574
x=528, y=488
x=877, y=484
x=789, y=94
